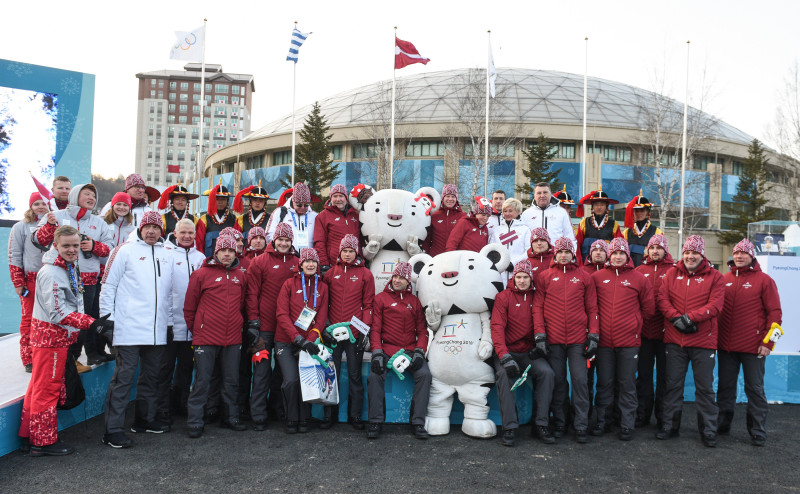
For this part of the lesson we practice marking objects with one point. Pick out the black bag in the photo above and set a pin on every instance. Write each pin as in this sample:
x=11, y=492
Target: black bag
x=72, y=382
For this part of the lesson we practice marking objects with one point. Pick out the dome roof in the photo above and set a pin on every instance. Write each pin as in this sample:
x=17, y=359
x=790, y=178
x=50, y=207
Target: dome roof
x=523, y=95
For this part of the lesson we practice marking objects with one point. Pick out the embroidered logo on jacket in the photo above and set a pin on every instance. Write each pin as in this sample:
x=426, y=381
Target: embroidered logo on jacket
x=699, y=280
x=747, y=285
x=625, y=282
x=276, y=266
x=354, y=278
x=606, y=281
x=235, y=279
x=556, y=278
x=337, y=219
x=218, y=279
x=142, y=258
x=575, y=280
x=728, y=284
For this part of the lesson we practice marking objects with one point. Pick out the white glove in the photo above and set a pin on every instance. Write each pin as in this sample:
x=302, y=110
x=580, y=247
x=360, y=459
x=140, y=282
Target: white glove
x=373, y=246
x=433, y=315
x=412, y=246
x=485, y=349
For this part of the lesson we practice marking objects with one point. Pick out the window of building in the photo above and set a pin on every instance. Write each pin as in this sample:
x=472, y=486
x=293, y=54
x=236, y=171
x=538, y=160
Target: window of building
x=170, y=142
x=336, y=152
x=196, y=121
x=255, y=162
x=219, y=134
x=149, y=177
x=171, y=108
x=219, y=110
x=149, y=163
x=495, y=149
x=171, y=119
x=183, y=108
x=235, y=100
x=219, y=122
x=169, y=154
x=425, y=148
x=738, y=168
x=219, y=144
x=222, y=100
x=208, y=88
x=195, y=109
x=364, y=150
x=173, y=84
x=282, y=158
x=184, y=86
x=152, y=94
x=182, y=119
x=182, y=142
x=161, y=83
x=196, y=97
x=161, y=95
x=221, y=88
x=701, y=161
x=196, y=87
x=615, y=153
x=172, y=96
x=153, y=82
x=184, y=97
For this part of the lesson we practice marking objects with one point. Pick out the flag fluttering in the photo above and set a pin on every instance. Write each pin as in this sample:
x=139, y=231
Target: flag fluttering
x=188, y=46
x=405, y=54
x=45, y=193
x=298, y=38
x=492, y=71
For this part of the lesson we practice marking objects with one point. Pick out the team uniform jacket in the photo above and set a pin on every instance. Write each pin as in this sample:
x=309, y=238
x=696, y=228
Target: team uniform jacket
x=24, y=258
x=593, y=267
x=588, y=234
x=653, y=327
x=330, y=227
x=397, y=322
x=207, y=231
x=751, y=306
x=443, y=220
x=540, y=263
x=265, y=277
x=518, y=248
x=351, y=292
x=624, y=298
x=247, y=221
x=467, y=235
x=512, y=320
x=214, y=303
x=304, y=223
x=186, y=261
x=565, y=305
x=553, y=219
x=291, y=303
x=701, y=295
x=120, y=232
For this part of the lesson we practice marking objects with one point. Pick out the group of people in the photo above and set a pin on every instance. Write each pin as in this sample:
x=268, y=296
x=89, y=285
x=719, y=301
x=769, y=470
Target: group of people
x=214, y=311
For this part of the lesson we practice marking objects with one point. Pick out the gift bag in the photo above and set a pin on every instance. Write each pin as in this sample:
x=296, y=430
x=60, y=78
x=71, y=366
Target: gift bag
x=317, y=381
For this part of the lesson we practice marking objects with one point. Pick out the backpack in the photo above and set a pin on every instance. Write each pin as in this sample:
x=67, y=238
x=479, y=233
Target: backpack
x=74, y=387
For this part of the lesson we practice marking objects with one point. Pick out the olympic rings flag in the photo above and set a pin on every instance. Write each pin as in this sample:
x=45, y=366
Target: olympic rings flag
x=188, y=46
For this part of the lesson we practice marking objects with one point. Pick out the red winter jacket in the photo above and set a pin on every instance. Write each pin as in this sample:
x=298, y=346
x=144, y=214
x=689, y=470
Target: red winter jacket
x=512, y=320
x=330, y=227
x=265, y=278
x=291, y=303
x=397, y=322
x=751, y=306
x=467, y=235
x=624, y=298
x=540, y=263
x=565, y=305
x=351, y=291
x=244, y=261
x=443, y=220
x=593, y=267
x=701, y=295
x=214, y=304
x=653, y=326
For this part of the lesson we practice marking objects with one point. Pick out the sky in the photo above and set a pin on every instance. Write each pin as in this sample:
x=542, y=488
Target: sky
x=740, y=51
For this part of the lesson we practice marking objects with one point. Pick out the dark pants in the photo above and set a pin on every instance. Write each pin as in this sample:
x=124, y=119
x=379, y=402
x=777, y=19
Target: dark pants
x=296, y=409
x=245, y=377
x=262, y=377
x=702, y=360
x=559, y=357
x=650, y=354
x=205, y=359
x=753, y=367
x=543, y=378
x=87, y=339
x=355, y=393
x=175, y=378
x=616, y=367
x=119, y=389
x=419, y=399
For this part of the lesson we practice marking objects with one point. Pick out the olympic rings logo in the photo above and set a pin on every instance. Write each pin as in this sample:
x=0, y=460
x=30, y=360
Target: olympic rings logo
x=452, y=349
x=187, y=42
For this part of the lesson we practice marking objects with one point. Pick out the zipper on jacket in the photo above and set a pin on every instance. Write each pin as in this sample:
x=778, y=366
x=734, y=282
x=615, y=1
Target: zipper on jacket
x=155, y=283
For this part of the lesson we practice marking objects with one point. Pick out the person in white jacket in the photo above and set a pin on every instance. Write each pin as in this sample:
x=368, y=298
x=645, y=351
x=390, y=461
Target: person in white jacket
x=546, y=213
x=513, y=233
x=137, y=296
x=297, y=213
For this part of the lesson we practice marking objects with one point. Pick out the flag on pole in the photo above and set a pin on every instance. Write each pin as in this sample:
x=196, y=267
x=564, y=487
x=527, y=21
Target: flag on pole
x=298, y=38
x=45, y=193
x=405, y=54
x=173, y=168
x=189, y=46
x=492, y=71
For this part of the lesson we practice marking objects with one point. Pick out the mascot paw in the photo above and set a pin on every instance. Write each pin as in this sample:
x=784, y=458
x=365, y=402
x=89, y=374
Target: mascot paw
x=437, y=426
x=482, y=429
x=412, y=246
x=433, y=315
x=484, y=350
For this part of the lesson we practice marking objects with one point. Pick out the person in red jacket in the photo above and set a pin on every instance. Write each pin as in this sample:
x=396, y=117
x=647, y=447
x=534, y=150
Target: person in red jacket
x=598, y=255
x=540, y=255
x=294, y=334
x=654, y=267
x=515, y=348
x=213, y=310
x=624, y=298
x=351, y=291
x=398, y=323
x=565, y=310
x=471, y=232
x=256, y=243
x=332, y=224
x=752, y=306
x=265, y=278
x=443, y=220
x=241, y=243
x=691, y=297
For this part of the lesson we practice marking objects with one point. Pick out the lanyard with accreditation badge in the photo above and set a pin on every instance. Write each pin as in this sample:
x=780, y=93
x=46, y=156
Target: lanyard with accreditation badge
x=302, y=235
x=307, y=315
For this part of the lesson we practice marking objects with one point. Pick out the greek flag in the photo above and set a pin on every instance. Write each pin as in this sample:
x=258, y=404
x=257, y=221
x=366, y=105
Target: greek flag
x=297, y=41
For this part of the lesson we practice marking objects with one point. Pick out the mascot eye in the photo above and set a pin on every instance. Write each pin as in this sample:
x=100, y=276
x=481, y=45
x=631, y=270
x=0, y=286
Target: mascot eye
x=377, y=210
x=472, y=267
x=413, y=213
x=430, y=273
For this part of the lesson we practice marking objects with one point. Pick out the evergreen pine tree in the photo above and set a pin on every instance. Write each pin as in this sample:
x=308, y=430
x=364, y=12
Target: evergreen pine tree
x=751, y=196
x=539, y=155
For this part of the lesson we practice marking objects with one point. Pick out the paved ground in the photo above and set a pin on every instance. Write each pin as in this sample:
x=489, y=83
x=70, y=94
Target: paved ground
x=343, y=460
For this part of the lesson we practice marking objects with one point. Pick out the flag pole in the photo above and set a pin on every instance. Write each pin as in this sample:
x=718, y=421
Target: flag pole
x=391, y=144
x=199, y=162
x=683, y=151
x=294, y=90
x=486, y=141
x=583, y=148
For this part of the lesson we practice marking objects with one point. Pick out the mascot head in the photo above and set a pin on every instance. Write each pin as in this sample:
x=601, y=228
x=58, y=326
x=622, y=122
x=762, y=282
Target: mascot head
x=395, y=214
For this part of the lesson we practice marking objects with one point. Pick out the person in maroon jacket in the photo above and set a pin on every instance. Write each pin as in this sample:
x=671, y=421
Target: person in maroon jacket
x=654, y=267
x=213, y=310
x=598, y=256
x=241, y=242
x=294, y=334
x=443, y=220
x=540, y=255
x=624, y=298
x=471, y=232
x=332, y=224
x=398, y=323
x=351, y=291
x=752, y=306
x=565, y=310
x=691, y=297
x=265, y=278
x=256, y=243
x=515, y=348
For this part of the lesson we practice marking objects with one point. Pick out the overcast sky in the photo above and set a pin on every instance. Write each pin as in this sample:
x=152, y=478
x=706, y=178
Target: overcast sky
x=741, y=50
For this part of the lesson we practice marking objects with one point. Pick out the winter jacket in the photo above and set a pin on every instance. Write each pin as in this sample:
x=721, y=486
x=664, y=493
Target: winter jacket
x=593, y=267
x=265, y=278
x=540, y=263
x=291, y=304
x=252, y=253
x=24, y=258
x=512, y=320
x=186, y=261
x=751, y=306
x=244, y=261
x=397, y=322
x=120, y=231
x=553, y=219
x=624, y=299
x=467, y=235
x=330, y=227
x=565, y=305
x=214, y=302
x=701, y=295
x=443, y=220
x=653, y=327
x=137, y=211
x=300, y=224
x=517, y=249
x=351, y=292
x=137, y=292
x=207, y=230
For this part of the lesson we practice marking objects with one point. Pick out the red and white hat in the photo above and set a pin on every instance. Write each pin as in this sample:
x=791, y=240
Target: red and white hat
x=338, y=189
x=659, y=240
x=745, y=246
x=524, y=266
x=135, y=179
x=482, y=206
x=358, y=189
x=695, y=243
x=403, y=270
x=349, y=241
x=256, y=231
x=232, y=232
x=152, y=218
x=540, y=233
x=619, y=245
x=563, y=243
x=301, y=193
x=225, y=242
x=309, y=254
x=599, y=244
x=283, y=230
x=449, y=189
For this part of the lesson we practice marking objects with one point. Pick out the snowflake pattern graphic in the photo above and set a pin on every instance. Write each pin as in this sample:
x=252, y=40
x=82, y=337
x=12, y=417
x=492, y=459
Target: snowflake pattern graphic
x=70, y=86
x=19, y=69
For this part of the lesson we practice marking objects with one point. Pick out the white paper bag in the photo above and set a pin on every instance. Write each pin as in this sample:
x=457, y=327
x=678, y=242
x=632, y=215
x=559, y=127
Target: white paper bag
x=318, y=383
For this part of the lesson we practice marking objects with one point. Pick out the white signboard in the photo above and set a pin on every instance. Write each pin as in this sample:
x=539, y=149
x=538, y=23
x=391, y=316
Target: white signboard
x=785, y=270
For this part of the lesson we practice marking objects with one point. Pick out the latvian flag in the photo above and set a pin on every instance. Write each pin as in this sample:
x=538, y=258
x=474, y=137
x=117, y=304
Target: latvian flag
x=509, y=237
x=406, y=54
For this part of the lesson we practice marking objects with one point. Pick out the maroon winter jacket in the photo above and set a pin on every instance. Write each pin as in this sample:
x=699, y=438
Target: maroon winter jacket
x=244, y=261
x=654, y=271
x=701, y=295
x=565, y=305
x=351, y=291
x=593, y=267
x=397, y=322
x=467, y=235
x=443, y=220
x=540, y=263
x=624, y=298
x=512, y=320
x=751, y=306
x=215, y=303
x=330, y=227
x=291, y=303
x=265, y=278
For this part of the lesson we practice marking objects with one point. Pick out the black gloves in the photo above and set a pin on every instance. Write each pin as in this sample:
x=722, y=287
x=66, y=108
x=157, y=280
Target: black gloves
x=361, y=342
x=327, y=339
x=104, y=328
x=540, y=350
x=684, y=324
x=170, y=334
x=417, y=359
x=306, y=345
x=590, y=349
x=512, y=369
x=378, y=362
x=253, y=332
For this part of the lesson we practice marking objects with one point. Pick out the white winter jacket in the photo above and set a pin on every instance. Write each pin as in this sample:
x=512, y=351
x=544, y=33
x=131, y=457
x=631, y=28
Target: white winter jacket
x=299, y=224
x=517, y=249
x=186, y=261
x=553, y=219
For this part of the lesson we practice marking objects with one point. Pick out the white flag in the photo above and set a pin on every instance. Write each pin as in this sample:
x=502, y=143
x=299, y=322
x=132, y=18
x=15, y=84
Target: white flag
x=188, y=46
x=492, y=71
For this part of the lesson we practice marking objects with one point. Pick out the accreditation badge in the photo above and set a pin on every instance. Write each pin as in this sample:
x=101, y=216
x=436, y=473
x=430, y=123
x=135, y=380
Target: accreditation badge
x=304, y=320
x=301, y=239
